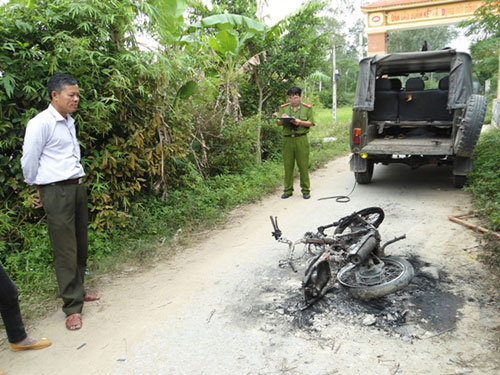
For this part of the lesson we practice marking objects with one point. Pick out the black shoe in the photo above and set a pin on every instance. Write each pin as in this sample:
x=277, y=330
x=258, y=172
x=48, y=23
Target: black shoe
x=286, y=195
x=306, y=195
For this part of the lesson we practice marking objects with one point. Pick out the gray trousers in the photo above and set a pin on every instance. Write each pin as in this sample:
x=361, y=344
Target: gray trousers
x=9, y=309
x=66, y=207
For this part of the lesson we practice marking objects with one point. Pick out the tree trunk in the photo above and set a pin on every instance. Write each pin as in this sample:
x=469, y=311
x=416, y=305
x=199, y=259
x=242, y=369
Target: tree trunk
x=334, y=85
x=258, y=147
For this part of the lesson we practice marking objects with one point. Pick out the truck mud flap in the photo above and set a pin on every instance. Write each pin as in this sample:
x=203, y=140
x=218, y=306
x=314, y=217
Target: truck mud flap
x=462, y=166
x=357, y=164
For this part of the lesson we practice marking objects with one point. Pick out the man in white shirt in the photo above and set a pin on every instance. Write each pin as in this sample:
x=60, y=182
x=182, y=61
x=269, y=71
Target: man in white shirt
x=51, y=162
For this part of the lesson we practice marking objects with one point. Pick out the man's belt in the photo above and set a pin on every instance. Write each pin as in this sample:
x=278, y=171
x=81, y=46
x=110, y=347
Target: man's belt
x=295, y=135
x=71, y=181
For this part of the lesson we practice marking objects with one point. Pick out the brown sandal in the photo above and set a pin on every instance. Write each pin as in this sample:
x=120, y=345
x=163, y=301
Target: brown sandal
x=74, y=322
x=91, y=297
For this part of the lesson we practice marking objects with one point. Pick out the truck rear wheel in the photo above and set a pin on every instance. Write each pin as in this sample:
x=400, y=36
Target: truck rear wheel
x=365, y=177
x=470, y=128
x=459, y=181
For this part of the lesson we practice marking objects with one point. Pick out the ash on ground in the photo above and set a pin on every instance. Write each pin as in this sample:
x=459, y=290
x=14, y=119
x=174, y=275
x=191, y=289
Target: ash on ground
x=425, y=308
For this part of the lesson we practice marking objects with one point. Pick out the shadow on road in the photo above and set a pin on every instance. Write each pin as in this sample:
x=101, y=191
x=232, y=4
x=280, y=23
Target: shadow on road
x=402, y=176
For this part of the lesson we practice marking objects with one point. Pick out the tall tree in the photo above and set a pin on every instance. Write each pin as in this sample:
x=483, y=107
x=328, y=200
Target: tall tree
x=486, y=22
x=288, y=52
x=484, y=29
x=345, y=39
x=242, y=7
x=199, y=10
x=294, y=49
x=412, y=40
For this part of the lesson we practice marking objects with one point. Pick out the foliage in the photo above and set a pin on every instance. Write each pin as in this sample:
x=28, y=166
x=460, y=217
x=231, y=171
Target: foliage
x=347, y=80
x=484, y=28
x=325, y=126
x=243, y=7
x=347, y=47
x=131, y=136
x=165, y=19
x=199, y=10
x=294, y=54
x=234, y=149
x=271, y=140
x=483, y=182
x=491, y=252
x=229, y=44
x=412, y=40
x=486, y=21
x=484, y=177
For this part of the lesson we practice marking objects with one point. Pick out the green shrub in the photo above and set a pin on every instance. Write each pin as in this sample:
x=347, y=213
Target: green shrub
x=346, y=98
x=325, y=96
x=483, y=183
x=131, y=136
x=484, y=178
x=271, y=140
x=233, y=149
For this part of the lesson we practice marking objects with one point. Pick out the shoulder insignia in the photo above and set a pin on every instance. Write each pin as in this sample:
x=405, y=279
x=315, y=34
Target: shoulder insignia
x=284, y=105
x=307, y=105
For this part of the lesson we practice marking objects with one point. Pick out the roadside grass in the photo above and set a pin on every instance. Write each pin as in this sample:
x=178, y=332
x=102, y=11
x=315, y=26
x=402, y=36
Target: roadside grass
x=489, y=108
x=160, y=227
x=323, y=147
x=483, y=183
x=324, y=122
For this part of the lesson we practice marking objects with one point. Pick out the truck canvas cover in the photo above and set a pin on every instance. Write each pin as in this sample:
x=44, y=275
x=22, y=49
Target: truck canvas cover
x=458, y=64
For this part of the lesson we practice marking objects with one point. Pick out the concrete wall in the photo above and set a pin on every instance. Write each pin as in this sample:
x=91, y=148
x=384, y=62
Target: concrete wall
x=495, y=116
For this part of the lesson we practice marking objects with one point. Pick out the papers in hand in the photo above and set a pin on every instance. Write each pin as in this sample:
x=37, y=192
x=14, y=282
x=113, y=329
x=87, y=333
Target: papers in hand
x=287, y=120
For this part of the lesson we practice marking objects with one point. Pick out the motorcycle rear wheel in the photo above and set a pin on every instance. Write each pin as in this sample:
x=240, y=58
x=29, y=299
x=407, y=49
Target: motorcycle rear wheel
x=373, y=215
x=397, y=273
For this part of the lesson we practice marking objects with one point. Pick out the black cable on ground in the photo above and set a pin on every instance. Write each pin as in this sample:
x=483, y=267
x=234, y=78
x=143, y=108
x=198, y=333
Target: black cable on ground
x=340, y=198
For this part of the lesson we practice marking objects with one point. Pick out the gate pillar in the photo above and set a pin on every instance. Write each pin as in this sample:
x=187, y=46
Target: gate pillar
x=377, y=43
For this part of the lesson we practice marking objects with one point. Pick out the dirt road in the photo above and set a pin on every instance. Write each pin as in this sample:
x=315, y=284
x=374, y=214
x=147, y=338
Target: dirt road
x=224, y=306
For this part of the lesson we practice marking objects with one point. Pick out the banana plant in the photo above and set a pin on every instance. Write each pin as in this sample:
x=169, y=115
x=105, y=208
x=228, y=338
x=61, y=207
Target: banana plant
x=319, y=77
x=228, y=37
x=168, y=18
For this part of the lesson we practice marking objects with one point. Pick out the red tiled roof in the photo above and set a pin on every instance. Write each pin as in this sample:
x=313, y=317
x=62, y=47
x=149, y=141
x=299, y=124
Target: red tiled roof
x=395, y=3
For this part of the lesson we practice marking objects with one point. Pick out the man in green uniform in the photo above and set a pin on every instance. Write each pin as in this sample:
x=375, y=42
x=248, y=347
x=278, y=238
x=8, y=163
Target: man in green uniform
x=295, y=142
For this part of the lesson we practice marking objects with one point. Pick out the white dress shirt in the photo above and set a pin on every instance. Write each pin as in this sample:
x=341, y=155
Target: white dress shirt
x=51, y=152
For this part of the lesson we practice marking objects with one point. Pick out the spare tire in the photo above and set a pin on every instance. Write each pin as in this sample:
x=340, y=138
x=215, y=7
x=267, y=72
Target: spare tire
x=470, y=127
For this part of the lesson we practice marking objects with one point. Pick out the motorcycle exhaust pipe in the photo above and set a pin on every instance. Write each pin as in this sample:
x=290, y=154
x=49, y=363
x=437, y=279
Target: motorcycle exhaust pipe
x=362, y=250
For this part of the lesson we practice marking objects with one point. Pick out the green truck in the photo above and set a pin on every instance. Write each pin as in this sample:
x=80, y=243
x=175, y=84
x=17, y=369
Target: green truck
x=415, y=108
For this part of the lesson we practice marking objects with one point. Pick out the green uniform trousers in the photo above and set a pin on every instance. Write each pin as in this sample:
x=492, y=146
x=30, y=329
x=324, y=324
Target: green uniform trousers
x=66, y=207
x=296, y=150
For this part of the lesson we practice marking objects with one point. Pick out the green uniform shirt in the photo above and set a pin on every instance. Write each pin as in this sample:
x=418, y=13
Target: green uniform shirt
x=302, y=112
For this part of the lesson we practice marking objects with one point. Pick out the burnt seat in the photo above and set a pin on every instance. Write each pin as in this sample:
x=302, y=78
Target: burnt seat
x=412, y=101
x=417, y=104
x=386, y=102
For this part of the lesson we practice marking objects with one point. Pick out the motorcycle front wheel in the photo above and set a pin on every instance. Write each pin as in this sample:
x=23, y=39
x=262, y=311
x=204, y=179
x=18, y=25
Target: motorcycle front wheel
x=375, y=282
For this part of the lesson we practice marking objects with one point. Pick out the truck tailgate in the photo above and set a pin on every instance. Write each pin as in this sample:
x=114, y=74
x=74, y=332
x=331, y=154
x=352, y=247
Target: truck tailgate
x=410, y=146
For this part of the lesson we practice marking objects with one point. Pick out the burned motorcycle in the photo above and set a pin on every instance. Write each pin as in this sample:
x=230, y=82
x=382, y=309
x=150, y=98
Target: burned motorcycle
x=353, y=253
